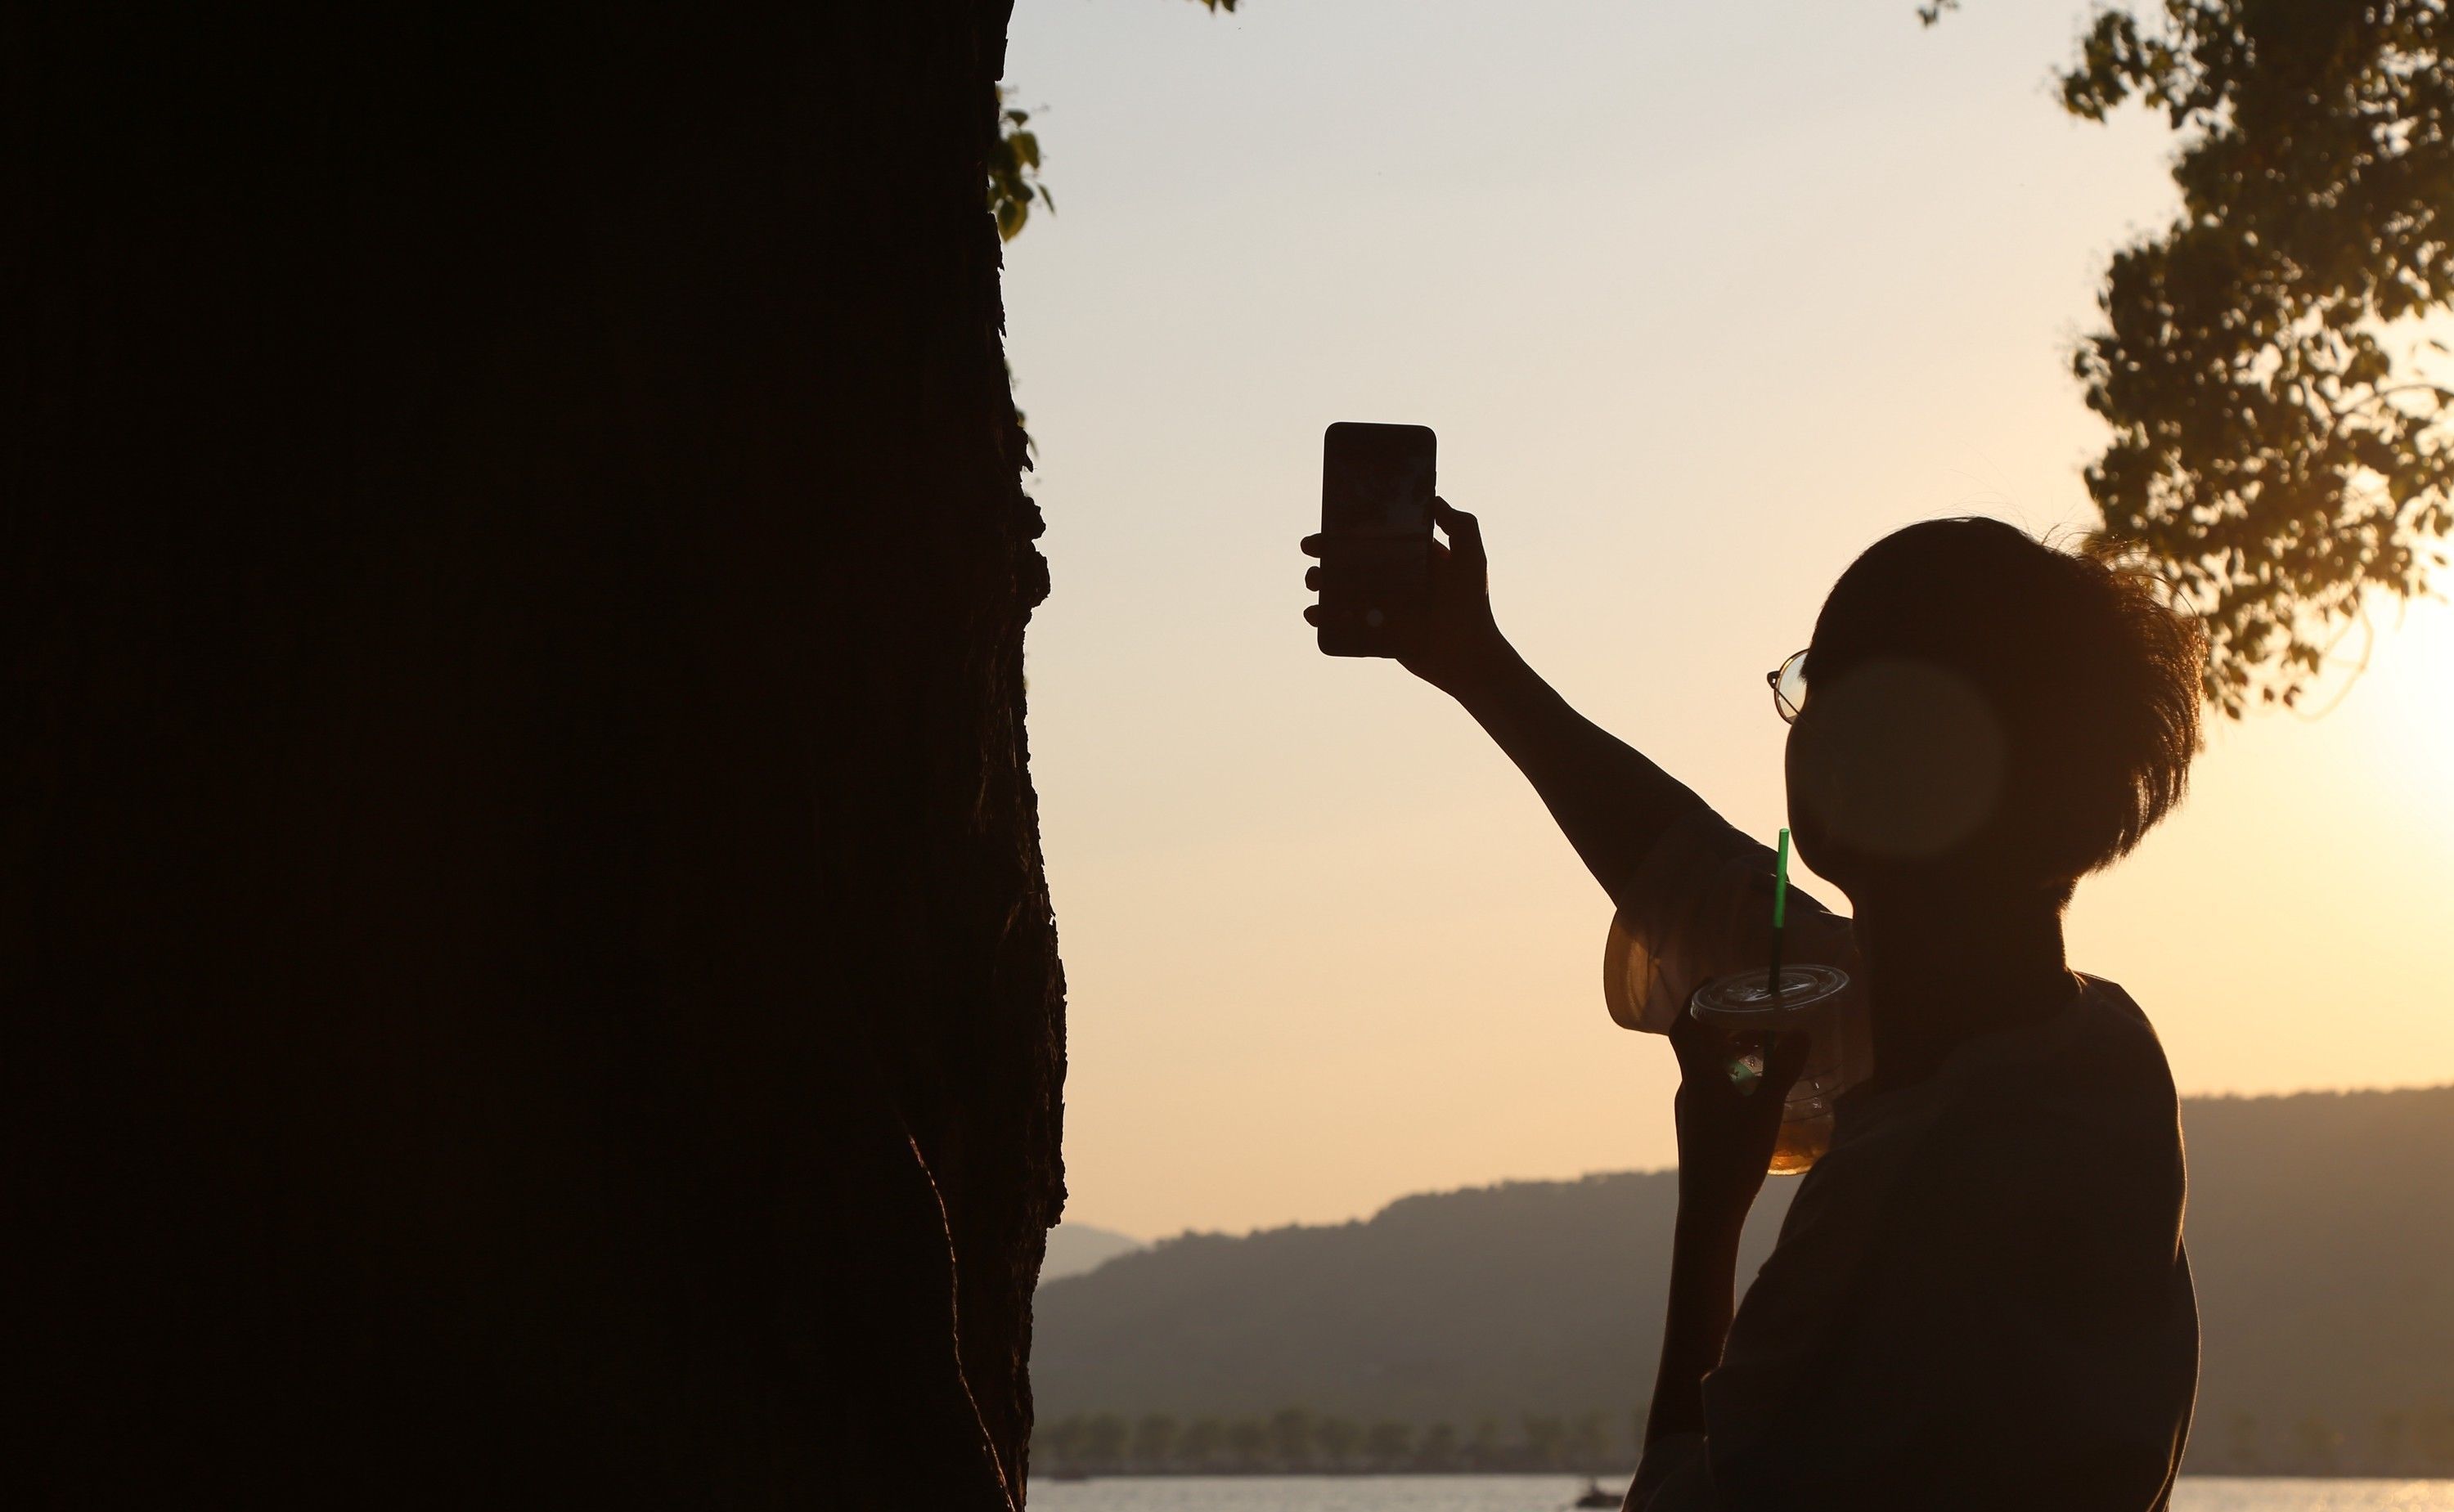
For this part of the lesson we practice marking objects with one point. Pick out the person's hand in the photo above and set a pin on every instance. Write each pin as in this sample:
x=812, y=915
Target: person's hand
x=1456, y=635
x=1726, y=1134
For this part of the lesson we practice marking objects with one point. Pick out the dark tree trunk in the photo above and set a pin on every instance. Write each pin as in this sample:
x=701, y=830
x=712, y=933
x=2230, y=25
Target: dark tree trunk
x=527, y=970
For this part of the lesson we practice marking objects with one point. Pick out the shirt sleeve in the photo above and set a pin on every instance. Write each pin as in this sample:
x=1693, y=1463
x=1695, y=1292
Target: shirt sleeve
x=1698, y=906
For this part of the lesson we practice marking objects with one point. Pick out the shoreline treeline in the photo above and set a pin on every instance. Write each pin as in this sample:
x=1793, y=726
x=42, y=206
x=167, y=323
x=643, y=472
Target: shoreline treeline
x=1297, y=1440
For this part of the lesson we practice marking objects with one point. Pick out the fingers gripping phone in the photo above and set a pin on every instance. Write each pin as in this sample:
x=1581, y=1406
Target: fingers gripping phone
x=1376, y=525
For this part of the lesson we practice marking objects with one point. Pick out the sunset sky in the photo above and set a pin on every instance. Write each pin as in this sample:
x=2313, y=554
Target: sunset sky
x=1701, y=301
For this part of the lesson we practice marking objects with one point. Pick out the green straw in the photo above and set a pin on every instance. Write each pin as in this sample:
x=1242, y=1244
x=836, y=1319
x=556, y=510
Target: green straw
x=1747, y=1078
x=1779, y=916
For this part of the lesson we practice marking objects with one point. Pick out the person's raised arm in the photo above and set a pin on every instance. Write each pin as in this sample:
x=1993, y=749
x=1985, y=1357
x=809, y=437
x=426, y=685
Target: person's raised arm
x=1610, y=801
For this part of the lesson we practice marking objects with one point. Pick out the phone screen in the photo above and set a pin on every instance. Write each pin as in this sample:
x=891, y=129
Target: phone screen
x=1377, y=480
x=1375, y=520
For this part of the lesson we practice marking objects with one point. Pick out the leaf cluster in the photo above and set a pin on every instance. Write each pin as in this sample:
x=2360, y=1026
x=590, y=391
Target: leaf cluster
x=1014, y=170
x=1015, y=184
x=2275, y=453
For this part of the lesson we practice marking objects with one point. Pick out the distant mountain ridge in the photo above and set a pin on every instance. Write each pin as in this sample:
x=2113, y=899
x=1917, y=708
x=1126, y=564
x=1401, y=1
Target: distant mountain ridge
x=1074, y=1248
x=2320, y=1230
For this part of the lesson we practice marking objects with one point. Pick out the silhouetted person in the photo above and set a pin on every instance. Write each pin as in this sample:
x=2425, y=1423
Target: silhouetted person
x=1980, y=1297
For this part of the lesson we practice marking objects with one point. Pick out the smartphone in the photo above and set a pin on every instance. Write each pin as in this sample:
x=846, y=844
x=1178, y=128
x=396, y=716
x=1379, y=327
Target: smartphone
x=1375, y=523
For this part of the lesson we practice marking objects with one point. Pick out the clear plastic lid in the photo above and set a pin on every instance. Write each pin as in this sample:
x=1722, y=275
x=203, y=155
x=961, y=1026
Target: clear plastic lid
x=1746, y=1002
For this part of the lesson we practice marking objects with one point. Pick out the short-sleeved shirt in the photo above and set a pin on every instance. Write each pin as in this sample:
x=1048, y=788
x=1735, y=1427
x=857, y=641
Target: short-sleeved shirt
x=1980, y=1297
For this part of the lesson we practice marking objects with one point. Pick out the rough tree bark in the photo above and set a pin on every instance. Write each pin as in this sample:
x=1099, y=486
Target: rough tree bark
x=526, y=965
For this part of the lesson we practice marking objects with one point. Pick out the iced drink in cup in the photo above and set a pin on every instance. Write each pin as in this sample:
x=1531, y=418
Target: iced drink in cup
x=1816, y=1000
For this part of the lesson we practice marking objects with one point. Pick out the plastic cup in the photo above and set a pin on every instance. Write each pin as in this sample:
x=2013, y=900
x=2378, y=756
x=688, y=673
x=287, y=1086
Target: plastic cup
x=1814, y=999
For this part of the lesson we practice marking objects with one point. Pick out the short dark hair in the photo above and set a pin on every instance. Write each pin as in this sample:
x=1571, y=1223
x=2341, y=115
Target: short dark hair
x=2094, y=677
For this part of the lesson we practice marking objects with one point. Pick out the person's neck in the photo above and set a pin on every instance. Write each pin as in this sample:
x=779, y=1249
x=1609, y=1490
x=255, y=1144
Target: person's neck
x=1944, y=967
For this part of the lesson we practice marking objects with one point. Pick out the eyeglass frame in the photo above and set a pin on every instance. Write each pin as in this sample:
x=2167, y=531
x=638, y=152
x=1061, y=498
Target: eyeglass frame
x=1780, y=703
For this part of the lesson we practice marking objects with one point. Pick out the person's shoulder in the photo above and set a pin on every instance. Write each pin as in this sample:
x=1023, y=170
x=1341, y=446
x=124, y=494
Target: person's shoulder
x=2114, y=1059
x=2052, y=1165
x=2088, y=1089
x=2105, y=1117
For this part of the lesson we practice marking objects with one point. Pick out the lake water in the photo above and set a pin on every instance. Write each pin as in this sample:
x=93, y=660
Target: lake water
x=1549, y=1493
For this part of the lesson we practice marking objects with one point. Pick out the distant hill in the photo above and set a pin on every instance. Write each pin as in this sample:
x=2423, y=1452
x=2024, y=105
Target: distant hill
x=2320, y=1230
x=1075, y=1248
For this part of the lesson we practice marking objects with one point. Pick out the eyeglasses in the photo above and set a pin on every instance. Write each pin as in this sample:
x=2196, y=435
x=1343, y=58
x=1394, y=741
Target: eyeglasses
x=1788, y=684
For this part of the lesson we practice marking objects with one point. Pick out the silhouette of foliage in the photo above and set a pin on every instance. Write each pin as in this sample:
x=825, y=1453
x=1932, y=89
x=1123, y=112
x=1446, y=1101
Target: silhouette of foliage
x=1249, y=1441
x=1014, y=170
x=1296, y=1438
x=1546, y=1439
x=2279, y=451
x=2316, y=1441
x=1154, y=1440
x=2401, y=1440
x=1291, y=1435
x=1390, y=1444
x=1589, y=1438
x=1336, y=1438
x=1066, y=1440
x=1104, y=1437
x=1015, y=184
